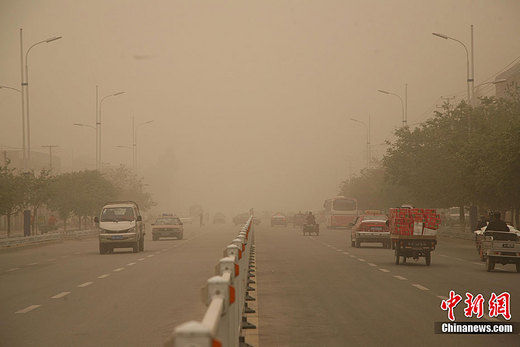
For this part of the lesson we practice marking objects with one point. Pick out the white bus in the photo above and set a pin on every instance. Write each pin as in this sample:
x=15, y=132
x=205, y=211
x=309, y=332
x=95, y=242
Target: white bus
x=340, y=212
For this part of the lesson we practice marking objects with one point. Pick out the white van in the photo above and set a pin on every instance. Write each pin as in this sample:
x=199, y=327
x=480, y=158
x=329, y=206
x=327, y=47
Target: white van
x=120, y=226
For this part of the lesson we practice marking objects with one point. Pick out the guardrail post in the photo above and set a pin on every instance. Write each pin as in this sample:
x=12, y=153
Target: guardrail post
x=219, y=286
x=191, y=333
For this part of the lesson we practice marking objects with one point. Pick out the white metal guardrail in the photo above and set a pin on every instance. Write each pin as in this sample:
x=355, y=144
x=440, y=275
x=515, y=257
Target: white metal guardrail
x=55, y=236
x=225, y=295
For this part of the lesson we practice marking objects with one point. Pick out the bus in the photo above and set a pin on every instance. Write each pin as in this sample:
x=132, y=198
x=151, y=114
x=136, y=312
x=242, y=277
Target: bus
x=340, y=212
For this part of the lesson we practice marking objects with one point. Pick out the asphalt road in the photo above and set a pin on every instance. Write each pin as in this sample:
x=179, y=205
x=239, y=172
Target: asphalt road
x=67, y=294
x=320, y=291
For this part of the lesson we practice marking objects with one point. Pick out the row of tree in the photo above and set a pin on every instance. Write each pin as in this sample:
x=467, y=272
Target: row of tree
x=462, y=156
x=80, y=194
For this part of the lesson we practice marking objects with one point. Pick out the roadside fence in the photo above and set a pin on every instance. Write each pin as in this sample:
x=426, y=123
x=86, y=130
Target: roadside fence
x=226, y=295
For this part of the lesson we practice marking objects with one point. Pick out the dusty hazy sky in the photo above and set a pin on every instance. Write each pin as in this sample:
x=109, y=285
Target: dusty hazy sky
x=251, y=100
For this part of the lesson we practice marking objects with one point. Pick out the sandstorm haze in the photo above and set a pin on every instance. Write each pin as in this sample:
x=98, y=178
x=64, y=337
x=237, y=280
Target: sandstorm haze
x=250, y=101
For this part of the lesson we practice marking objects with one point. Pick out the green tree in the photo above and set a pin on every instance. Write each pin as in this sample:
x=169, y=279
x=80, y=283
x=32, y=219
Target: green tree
x=13, y=191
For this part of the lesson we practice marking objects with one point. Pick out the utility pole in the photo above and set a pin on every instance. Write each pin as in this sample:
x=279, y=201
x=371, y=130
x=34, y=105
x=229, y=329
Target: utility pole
x=24, y=150
x=405, y=123
x=50, y=147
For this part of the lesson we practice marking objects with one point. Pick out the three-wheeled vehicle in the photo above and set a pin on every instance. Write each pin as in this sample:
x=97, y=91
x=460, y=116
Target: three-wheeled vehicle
x=412, y=233
x=501, y=247
x=311, y=229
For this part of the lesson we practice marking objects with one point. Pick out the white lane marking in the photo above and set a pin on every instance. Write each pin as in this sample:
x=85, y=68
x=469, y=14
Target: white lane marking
x=384, y=270
x=157, y=252
x=60, y=295
x=352, y=256
x=104, y=276
x=28, y=308
x=149, y=256
x=130, y=264
x=77, y=253
x=31, y=264
x=64, y=256
x=119, y=269
x=360, y=259
x=85, y=284
x=140, y=259
x=418, y=286
x=442, y=297
x=346, y=253
x=444, y=255
x=400, y=278
x=13, y=269
x=52, y=259
x=371, y=264
x=474, y=262
x=339, y=250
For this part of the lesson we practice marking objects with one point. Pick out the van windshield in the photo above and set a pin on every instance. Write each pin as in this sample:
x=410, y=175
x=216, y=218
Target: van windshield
x=117, y=214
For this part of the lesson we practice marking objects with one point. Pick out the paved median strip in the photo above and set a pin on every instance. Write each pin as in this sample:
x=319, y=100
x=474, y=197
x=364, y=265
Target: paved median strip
x=28, y=309
x=86, y=284
x=418, y=286
x=60, y=295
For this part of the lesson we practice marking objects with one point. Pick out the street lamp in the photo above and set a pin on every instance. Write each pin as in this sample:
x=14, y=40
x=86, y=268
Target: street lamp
x=91, y=127
x=98, y=124
x=50, y=147
x=404, y=106
x=135, y=138
x=367, y=127
x=26, y=84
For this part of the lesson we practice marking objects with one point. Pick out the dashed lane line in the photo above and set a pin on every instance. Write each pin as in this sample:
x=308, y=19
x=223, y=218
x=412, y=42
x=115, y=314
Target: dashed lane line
x=31, y=264
x=418, y=286
x=141, y=259
x=347, y=253
x=119, y=269
x=400, y=278
x=52, y=259
x=130, y=264
x=149, y=255
x=28, y=309
x=104, y=276
x=352, y=256
x=13, y=269
x=384, y=270
x=86, y=284
x=360, y=259
x=444, y=255
x=60, y=295
x=371, y=264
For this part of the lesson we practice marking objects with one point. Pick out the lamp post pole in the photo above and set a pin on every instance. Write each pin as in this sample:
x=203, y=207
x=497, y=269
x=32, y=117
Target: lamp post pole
x=135, y=141
x=50, y=147
x=98, y=123
x=27, y=90
x=403, y=108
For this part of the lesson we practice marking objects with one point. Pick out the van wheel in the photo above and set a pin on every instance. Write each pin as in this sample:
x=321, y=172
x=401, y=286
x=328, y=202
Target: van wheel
x=154, y=238
x=357, y=244
x=396, y=258
x=517, y=267
x=428, y=259
x=141, y=244
x=102, y=249
x=136, y=247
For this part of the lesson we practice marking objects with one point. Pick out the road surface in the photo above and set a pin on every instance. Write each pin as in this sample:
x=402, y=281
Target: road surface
x=311, y=291
x=67, y=294
x=320, y=291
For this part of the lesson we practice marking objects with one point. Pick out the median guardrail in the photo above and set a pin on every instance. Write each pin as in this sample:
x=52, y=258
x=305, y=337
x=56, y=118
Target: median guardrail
x=48, y=237
x=225, y=295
